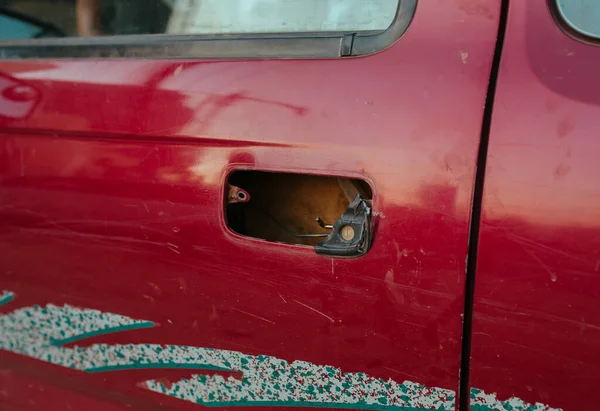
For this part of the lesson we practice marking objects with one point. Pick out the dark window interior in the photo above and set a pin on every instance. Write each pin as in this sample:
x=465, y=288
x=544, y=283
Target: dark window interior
x=284, y=207
x=73, y=18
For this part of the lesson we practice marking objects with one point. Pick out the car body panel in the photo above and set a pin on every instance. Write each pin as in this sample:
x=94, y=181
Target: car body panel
x=112, y=199
x=535, y=330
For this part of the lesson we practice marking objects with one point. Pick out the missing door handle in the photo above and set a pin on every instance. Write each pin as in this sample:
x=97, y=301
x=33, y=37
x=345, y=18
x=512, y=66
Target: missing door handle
x=300, y=209
x=351, y=234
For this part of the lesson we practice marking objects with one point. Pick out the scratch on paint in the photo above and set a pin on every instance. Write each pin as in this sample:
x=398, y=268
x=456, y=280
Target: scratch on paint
x=400, y=253
x=253, y=315
x=391, y=369
x=41, y=333
x=390, y=284
x=315, y=310
x=173, y=247
x=281, y=296
x=546, y=268
x=528, y=242
x=552, y=356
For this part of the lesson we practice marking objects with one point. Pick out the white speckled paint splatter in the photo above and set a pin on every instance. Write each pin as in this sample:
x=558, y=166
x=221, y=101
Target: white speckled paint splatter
x=61, y=325
x=42, y=332
x=480, y=401
x=272, y=381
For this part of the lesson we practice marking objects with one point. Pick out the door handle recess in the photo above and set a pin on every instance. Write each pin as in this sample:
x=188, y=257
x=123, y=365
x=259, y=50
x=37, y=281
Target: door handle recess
x=287, y=208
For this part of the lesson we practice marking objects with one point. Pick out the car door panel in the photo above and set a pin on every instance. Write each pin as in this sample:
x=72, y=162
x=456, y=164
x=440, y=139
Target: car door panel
x=112, y=212
x=535, y=330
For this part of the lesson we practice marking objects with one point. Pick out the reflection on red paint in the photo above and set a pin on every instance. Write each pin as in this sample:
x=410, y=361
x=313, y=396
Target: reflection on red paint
x=17, y=98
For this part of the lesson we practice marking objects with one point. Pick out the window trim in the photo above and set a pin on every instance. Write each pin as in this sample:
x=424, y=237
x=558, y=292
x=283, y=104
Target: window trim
x=306, y=45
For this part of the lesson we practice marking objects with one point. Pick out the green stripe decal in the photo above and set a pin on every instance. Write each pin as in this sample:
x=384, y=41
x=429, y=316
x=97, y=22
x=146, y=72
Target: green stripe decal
x=311, y=405
x=83, y=336
x=156, y=366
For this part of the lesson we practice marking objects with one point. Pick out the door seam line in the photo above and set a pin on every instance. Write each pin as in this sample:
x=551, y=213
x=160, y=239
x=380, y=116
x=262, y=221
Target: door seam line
x=476, y=210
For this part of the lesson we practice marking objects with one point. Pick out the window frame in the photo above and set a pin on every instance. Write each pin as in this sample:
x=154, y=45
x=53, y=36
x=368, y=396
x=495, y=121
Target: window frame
x=301, y=45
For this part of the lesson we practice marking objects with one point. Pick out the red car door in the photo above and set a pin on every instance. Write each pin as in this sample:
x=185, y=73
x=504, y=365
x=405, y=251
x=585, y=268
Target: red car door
x=158, y=194
x=536, y=325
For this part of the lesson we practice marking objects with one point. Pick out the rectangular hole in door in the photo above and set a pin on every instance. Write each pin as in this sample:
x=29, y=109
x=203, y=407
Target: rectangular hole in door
x=280, y=205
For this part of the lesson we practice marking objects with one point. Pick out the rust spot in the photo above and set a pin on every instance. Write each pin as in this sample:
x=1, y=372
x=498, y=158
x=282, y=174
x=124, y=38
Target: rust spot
x=476, y=8
x=561, y=170
x=565, y=127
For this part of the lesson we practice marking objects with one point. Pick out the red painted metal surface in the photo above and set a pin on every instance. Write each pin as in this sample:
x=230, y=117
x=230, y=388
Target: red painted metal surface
x=536, y=326
x=111, y=192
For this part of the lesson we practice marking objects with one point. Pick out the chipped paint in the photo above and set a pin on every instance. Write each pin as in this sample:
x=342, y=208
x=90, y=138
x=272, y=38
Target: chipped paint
x=42, y=332
x=464, y=56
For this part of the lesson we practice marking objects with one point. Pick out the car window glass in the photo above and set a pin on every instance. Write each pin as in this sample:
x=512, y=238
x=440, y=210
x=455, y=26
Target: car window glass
x=582, y=16
x=13, y=29
x=186, y=17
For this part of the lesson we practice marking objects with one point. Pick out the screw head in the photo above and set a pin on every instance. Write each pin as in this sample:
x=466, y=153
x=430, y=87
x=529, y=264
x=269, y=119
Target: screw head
x=347, y=232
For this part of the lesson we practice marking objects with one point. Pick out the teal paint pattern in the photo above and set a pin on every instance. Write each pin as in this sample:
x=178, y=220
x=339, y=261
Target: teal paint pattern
x=480, y=401
x=42, y=332
x=5, y=297
x=272, y=381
